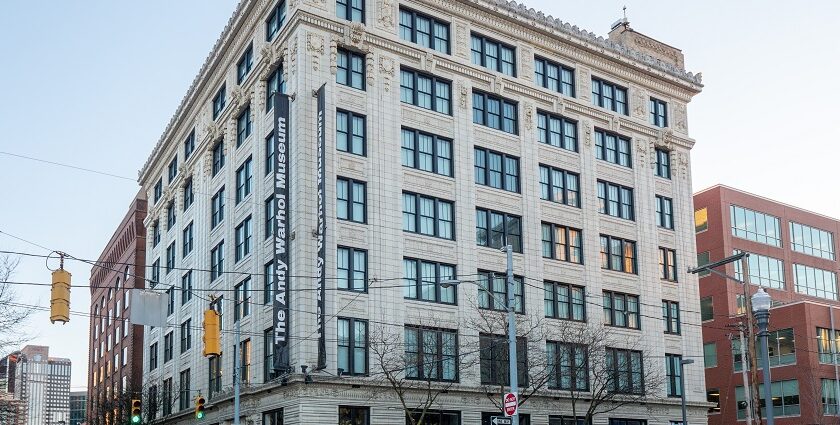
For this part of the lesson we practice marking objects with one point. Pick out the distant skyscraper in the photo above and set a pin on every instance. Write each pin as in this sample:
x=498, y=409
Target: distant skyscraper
x=43, y=384
x=78, y=400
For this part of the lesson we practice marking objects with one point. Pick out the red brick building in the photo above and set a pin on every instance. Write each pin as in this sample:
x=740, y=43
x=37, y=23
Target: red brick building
x=793, y=255
x=115, y=367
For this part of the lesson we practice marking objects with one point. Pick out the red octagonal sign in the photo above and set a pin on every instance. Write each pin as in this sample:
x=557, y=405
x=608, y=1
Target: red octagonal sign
x=510, y=404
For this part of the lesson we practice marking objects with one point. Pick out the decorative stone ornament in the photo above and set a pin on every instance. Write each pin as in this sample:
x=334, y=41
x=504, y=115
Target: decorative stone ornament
x=463, y=93
x=386, y=14
x=587, y=132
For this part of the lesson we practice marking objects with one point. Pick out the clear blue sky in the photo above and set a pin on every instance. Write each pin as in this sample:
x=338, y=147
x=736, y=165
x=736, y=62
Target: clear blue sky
x=94, y=84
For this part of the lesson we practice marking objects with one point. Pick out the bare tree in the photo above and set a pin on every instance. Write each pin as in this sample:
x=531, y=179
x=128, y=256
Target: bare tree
x=12, y=312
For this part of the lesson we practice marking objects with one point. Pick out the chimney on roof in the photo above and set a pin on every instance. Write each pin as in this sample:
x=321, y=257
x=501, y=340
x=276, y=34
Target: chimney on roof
x=622, y=34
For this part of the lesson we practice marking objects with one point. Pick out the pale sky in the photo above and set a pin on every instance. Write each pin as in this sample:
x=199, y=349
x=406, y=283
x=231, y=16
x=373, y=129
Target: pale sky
x=94, y=83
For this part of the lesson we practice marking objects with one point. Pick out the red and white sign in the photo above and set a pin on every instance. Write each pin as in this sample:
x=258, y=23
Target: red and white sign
x=511, y=404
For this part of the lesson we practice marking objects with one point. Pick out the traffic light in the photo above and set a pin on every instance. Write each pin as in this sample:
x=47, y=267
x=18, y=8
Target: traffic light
x=199, y=407
x=60, y=295
x=211, y=337
x=135, y=411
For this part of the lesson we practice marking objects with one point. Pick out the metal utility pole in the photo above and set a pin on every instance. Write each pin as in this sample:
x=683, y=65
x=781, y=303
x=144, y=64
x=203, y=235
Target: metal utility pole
x=745, y=278
x=762, y=304
x=682, y=388
x=511, y=299
x=236, y=371
x=747, y=388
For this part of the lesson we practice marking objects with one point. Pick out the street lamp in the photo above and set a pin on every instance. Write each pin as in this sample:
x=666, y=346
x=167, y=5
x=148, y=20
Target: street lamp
x=682, y=387
x=761, y=311
x=512, y=367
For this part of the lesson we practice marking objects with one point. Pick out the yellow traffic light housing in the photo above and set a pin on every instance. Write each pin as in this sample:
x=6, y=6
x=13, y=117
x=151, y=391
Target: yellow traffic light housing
x=135, y=411
x=212, y=334
x=60, y=295
x=199, y=407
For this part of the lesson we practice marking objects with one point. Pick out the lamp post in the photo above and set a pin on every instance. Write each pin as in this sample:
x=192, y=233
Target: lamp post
x=761, y=311
x=682, y=387
x=512, y=365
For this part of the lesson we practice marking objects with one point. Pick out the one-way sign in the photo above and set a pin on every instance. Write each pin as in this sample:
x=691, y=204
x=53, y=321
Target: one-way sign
x=500, y=420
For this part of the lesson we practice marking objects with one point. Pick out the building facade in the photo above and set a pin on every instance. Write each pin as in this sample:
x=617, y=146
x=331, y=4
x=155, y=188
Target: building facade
x=116, y=356
x=793, y=255
x=42, y=383
x=78, y=407
x=450, y=129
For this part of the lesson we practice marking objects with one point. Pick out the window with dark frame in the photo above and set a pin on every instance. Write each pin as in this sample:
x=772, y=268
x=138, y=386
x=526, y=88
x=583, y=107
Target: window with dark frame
x=214, y=369
x=170, y=257
x=352, y=346
x=560, y=186
x=707, y=309
x=428, y=216
x=493, y=291
x=664, y=212
x=170, y=215
x=243, y=126
x=276, y=83
x=431, y=354
x=424, y=30
x=626, y=370
x=621, y=310
x=554, y=76
x=158, y=190
x=270, y=211
x=242, y=239
x=673, y=375
x=351, y=10
x=189, y=145
x=351, y=269
x=662, y=167
x=245, y=63
x=494, y=360
x=425, y=91
x=667, y=264
x=562, y=243
x=350, y=132
x=275, y=20
x=493, y=55
x=186, y=335
x=268, y=282
x=350, y=69
x=496, y=170
x=166, y=397
x=613, y=148
x=609, y=96
x=188, y=193
x=426, y=152
x=557, y=131
x=423, y=279
x=155, y=273
x=218, y=157
x=184, y=396
x=671, y=317
x=217, y=261
x=566, y=420
x=269, y=153
x=351, y=198
x=268, y=356
x=353, y=415
x=495, y=112
x=219, y=102
x=244, y=177
x=172, y=170
x=241, y=299
x=568, y=366
x=153, y=356
x=618, y=254
x=658, y=112
x=496, y=229
x=168, y=346
x=186, y=287
x=564, y=301
x=614, y=421
x=615, y=200
x=217, y=208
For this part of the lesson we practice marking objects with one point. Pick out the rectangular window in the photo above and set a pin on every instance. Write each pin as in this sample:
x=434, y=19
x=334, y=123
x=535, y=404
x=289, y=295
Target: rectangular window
x=243, y=180
x=351, y=264
x=423, y=279
x=827, y=345
x=424, y=30
x=275, y=20
x=713, y=396
x=188, y=193
x=219, y=102
x=425, y=91
x=351, y=68
x=186, y=287
x=829, y=396
x=495, y=112
x=351, y=10
x=626, y=370
x=554, y=76
x=558, y=185
x=350, y=200
x=618, y=254
x=268, y=282
x=785, y=395
x=568, y=366
x=615, y=200
x=613, y=148
x=155, y=272
x=158, y=190
x=242, y=299
x=215, y=375
x=166, y=397
x=269, y=153
x=217, y=261
x=189, y=145
x=153, y=356
x=664, y=212
x=431, y=354
x=268, y=357
x=710, y=355
x=662, y=168
x=217, y=208
x=766, y=271
x=428, y=216
x=707, y=309
x=243, y=126
x=621, y=310
x=186, y=335
x=673, y=375
x=170, y=257
x=218, y=157
x=494, y=360
x=493, y=55
x=667, y=264
x=562, y=243
x=168, y=345
x=170, y=215
x=610, y=96
x=701, y=220
x=497, y=170
x=270, y=211
x=703, y=258
x=496, y=229
x=244, y=65
x=755, y=226
x=566, y=420
x=557, y=131
x=172, y=170
x=658, y=112
x=811, y=240
x=564, y=301
x=184, y=398
x=815, y=282
x=671, y=316
x=243, y=239
x=426, y=151
x=493, y=291
x=352, y=347
x=354, y=415
x=245, y=361
x=350, y=132
x=276, y=83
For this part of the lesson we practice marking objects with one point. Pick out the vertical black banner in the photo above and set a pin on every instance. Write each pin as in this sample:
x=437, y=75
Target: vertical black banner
x=282, y=257
x=322, y=254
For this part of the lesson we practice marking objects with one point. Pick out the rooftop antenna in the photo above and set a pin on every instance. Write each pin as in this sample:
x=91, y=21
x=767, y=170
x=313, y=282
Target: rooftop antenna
x=621, y=22
x=625, y=12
